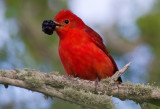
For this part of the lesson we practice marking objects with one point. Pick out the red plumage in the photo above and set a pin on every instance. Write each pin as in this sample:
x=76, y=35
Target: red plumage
x=81, y=49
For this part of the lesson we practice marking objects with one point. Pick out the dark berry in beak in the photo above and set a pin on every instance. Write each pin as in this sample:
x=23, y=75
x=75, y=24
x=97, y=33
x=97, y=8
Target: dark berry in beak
x=48, y=26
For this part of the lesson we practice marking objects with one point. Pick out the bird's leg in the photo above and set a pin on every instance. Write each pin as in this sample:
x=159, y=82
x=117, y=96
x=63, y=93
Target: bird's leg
x=75, y=75
x=96, y=83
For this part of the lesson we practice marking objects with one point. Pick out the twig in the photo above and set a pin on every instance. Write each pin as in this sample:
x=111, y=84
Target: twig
x=120, y=72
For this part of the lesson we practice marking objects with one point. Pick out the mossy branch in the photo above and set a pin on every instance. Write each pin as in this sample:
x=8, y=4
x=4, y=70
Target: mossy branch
x=80, y=91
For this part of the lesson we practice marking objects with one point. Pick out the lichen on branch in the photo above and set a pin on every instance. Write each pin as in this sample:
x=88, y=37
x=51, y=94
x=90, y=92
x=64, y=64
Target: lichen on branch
x=80, y=91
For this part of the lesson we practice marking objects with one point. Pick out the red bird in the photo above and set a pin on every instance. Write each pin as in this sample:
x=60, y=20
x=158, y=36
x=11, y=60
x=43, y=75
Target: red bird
x=81, y=49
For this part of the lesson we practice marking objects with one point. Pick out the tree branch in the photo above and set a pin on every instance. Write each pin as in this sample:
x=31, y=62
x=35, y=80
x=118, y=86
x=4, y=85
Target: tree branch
x=80, y=91
x=68, y=94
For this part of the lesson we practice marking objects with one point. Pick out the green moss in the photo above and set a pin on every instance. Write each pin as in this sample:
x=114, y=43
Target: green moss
x=108, y=81
x=23, y=73
x=29, y=72
x=17, y=70
x=28, y=76
x=138, y=89
x=56, y=73
x=34, y=82
x=89, y=99
x=26, y=69
x=2, y=73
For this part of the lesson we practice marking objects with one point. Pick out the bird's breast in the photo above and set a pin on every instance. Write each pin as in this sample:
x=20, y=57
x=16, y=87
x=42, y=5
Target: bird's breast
x=75, y=52
x=81, y=57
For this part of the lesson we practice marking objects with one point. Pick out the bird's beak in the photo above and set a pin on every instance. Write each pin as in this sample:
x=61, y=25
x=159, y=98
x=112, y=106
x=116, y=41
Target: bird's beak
x=57, y=25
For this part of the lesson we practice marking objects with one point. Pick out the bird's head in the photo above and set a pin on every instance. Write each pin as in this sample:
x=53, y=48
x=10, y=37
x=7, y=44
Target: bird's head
x=63, y=22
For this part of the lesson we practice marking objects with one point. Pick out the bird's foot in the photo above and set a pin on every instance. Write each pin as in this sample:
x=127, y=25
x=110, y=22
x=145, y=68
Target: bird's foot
x=96, y=84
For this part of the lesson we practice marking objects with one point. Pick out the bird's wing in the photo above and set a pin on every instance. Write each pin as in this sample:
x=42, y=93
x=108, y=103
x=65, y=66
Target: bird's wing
x=95, y=37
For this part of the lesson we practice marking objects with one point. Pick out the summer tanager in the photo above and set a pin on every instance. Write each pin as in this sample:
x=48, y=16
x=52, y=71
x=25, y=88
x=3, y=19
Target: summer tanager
x=81, y=49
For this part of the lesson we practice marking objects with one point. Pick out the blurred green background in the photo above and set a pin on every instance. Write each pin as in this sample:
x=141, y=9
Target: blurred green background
x=130, y=29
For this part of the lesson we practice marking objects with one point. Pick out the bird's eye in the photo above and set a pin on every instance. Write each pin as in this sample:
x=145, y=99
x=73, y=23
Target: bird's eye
x=66, y=21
